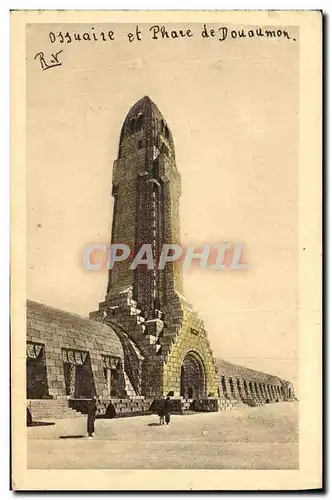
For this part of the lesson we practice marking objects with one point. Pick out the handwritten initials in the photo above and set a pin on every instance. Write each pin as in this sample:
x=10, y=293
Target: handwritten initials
x=52, y=63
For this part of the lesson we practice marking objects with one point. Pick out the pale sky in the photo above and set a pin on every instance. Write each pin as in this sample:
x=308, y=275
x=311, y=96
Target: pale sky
x=232, y=108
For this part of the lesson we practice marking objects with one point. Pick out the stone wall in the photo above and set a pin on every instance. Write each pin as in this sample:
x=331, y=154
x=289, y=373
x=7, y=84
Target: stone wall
x=185, y=333
x=251, y=386
x=58, y=332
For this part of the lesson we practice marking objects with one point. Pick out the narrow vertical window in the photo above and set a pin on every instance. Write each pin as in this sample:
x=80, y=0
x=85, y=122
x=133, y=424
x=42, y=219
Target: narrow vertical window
x=132, y=125
x=139, y=123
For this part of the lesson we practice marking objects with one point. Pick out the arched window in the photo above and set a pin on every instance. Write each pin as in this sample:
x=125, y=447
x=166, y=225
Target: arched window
x=155, y=168
x=166, y=132
x=239, y=388
x=139, y=122
x=132, y=126
x=223, y=384
x=232, y=386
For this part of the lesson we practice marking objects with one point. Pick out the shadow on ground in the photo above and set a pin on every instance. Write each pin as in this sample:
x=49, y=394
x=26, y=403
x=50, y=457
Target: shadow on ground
x=78, y=436
x=38, y=424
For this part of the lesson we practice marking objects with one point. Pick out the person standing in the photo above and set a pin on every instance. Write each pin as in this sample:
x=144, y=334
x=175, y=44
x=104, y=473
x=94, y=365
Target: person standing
x=161, y=412
x=92, y=410
x=167, y=410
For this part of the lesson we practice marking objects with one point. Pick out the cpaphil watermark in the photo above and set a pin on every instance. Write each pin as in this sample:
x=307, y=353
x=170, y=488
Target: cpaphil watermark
x=222, y=256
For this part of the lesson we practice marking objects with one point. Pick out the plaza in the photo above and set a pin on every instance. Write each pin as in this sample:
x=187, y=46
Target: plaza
x=248, y=438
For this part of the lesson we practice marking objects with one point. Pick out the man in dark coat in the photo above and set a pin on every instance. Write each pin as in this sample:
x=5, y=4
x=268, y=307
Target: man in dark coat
x=92, y=410
x=167, y=410
x=161, y=412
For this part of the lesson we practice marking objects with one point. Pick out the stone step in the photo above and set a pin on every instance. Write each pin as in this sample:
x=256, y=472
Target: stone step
x=128, y=386
x=40, y=410
x=49, y=401
x=51, y=409
x=47, y=408
x=52, y=416
x=134, y=311
x=57, y=416
x=63, y=405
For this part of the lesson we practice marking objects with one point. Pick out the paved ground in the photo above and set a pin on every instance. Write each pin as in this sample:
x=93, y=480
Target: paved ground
x=250, y=438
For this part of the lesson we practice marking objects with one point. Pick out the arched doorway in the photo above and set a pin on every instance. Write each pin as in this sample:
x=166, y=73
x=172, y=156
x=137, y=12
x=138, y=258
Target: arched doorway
x=192, y=377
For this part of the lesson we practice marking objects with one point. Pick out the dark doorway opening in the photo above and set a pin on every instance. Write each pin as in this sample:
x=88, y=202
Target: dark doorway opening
x=192, y=377
x=84, y=381
x=113, y=376
x=37, y=387
x=79, y=377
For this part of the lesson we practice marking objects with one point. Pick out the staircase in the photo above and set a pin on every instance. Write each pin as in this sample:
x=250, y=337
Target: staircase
x=122, y=311
x=50, y=409
x=128, y=387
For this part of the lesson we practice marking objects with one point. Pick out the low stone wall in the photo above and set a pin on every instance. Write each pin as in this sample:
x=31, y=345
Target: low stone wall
x=205, y=405
x=114, y=407
x=180, y=406
x=227, y=404
x=175, y=405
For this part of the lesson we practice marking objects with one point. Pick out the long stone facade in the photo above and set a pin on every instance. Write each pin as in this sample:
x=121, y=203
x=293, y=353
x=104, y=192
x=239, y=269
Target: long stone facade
x=251, y=386
x=68, y=355
x=145, y=340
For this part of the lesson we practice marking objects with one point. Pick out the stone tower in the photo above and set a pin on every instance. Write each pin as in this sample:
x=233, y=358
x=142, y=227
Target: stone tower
x=165, y=343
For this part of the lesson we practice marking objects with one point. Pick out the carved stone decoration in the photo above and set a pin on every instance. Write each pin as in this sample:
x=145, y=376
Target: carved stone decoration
x=74, y=357
x=72, y=381
x=33, y=350
x=79, y=357
x=70, y=357
x=111, y=362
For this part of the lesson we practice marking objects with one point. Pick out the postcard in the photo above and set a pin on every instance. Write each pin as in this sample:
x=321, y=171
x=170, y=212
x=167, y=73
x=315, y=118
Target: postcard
x=166, y=250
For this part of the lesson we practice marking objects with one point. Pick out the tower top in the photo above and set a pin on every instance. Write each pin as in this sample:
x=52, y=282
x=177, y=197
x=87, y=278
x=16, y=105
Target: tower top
x=145, y=115
x=143, y=105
